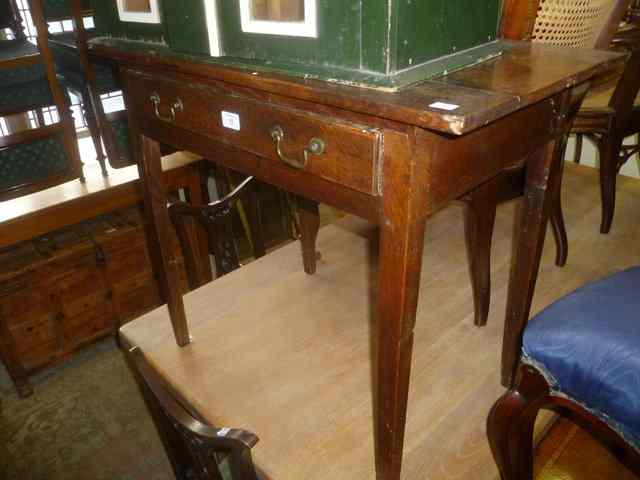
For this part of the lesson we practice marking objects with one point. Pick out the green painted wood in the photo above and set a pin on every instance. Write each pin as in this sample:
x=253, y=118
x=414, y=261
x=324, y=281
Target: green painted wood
x=60, y=9
x=375, y=54
x=429, y=29
x=384, y=43
x=186, y=25
x=108, y=24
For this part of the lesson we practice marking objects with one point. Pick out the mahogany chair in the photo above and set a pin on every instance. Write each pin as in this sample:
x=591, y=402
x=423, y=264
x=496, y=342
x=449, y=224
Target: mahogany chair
x=89, y=79
x=591, y=24
x=47, y=155
x=215, y=218
x=196, y=450
x=609, y=115
x=65, y=53
x=581, y=358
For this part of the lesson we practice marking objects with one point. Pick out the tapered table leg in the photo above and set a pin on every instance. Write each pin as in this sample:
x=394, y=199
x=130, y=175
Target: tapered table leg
x=159, y=236
x=400, y=261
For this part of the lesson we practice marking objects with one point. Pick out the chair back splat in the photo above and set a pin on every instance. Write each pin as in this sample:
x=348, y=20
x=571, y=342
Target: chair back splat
x=199, y=451
x=215, y=218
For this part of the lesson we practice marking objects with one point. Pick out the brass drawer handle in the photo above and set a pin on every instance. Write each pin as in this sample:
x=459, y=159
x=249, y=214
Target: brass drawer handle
x=176, y=106
x=316, y=147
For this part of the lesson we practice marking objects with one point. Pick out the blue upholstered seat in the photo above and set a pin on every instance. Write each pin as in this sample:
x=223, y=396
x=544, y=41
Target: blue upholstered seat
x=588, y=346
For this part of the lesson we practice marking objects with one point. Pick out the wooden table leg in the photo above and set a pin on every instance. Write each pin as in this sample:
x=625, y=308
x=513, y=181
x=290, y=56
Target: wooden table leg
x=529, y=234
x=159, y=236
x=402, y=229
x=309, y=215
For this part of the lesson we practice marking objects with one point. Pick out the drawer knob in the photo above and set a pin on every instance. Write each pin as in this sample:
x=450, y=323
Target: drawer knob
x=316, y=147
x=175, y=107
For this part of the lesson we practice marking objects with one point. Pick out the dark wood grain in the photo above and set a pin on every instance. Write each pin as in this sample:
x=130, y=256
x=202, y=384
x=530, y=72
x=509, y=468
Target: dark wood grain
x=309, y=217
x=160, y=234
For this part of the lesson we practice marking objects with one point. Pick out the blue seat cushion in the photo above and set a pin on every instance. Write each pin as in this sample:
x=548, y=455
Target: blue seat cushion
x=587, y=345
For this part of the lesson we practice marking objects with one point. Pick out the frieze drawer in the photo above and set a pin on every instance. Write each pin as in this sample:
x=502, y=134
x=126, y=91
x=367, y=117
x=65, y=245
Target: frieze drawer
x=324, y=146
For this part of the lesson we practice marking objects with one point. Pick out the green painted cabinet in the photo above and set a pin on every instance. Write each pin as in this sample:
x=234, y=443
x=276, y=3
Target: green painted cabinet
x=387, y=43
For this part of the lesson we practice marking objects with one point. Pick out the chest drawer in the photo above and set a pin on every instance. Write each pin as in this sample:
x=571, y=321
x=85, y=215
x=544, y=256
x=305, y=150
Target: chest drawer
x=321, y=145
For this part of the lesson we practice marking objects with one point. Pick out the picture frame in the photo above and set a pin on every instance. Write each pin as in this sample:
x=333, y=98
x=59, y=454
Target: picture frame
x=305, y=28
x=137, y=16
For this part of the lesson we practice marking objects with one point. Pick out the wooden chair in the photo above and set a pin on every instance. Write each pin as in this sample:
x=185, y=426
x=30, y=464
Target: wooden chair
x=581, y=358
x=89, y=80
x=196, y=450
x=546, y=21
x=37, y=158
x=609, y=115
x=215, y=218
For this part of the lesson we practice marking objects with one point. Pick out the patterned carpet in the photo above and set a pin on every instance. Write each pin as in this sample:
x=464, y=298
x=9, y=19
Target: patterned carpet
x=86, y=420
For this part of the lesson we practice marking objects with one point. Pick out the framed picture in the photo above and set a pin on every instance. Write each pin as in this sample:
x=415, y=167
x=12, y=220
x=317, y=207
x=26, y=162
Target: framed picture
x=140, y=11
x=296, y=18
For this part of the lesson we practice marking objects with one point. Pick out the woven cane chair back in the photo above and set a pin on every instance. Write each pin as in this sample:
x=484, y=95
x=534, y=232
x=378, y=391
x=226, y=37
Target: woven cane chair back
x=572, y=23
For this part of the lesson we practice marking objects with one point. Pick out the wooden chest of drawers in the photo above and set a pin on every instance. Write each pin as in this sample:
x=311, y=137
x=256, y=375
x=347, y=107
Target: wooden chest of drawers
x=73, y=286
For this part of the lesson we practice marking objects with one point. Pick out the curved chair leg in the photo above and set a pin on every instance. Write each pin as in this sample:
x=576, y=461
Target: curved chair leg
x=309, y=225
x=479, y=220
x=609, y=152
x=577, y=154
x=556, y=218
x=511, y=423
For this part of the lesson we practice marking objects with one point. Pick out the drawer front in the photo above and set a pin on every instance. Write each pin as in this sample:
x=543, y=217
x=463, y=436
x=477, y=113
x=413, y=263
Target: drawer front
x=346, y=153
x=35, y=332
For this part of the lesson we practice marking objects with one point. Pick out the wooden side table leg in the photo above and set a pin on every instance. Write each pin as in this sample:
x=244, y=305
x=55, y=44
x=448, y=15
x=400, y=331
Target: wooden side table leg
x=402, y=228
x=531, y=225
x=12, y=362
x=309, y=215
x=159, y=236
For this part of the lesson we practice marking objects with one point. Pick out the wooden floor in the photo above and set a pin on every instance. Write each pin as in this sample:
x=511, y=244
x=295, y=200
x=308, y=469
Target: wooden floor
x=456, y=365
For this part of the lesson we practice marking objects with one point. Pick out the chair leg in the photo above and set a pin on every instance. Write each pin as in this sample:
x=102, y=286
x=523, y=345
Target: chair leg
x=609, y=152
x=92, y=124
x=511, y=423
x=556, y=217
x=577, y=154
x=255, y=220
x=40, y=117
x=309, y=225
x=479, y=220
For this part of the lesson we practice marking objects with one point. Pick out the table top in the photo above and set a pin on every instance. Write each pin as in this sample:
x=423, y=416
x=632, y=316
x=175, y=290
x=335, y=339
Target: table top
x=456, y=103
